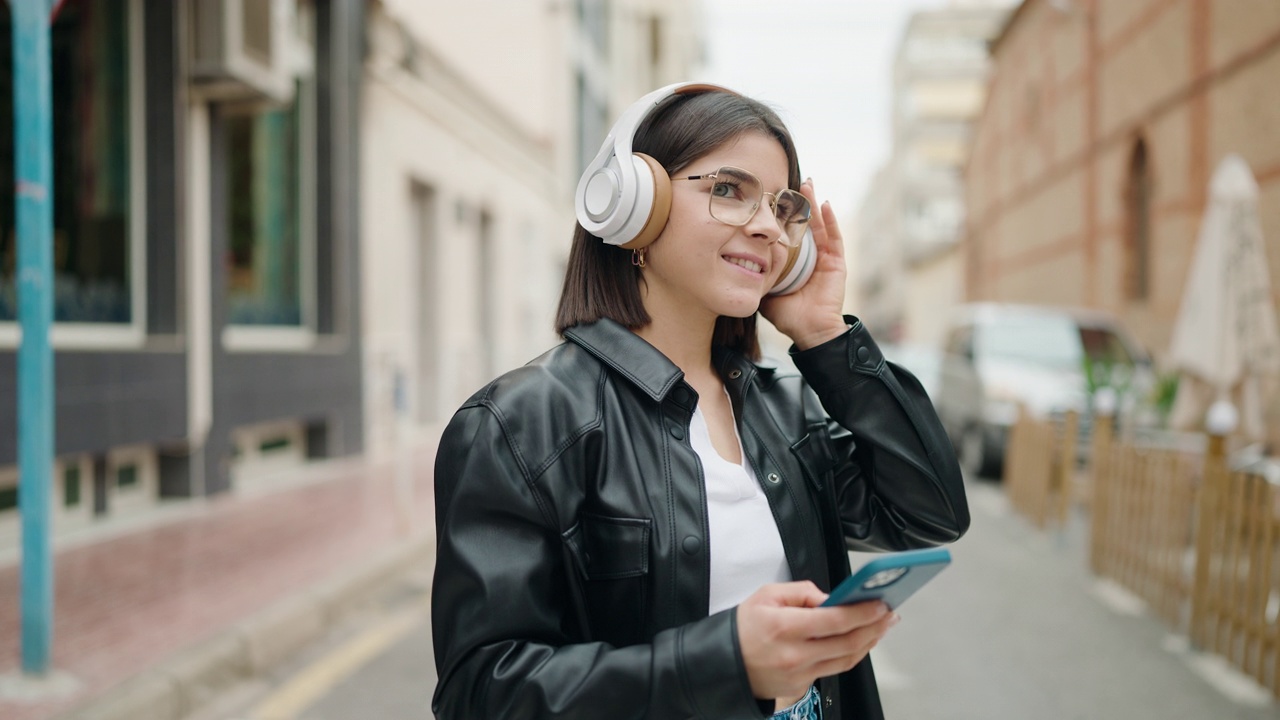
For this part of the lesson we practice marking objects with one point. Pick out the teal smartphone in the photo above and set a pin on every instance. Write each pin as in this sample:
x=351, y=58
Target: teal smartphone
x=891, y=578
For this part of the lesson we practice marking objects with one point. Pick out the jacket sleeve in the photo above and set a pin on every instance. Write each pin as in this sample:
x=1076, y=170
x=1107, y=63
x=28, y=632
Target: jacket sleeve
x=897, y=481
x=509, y=635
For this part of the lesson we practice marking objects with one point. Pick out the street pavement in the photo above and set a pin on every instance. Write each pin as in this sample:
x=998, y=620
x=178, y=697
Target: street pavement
x=159, y=615
x=1016, y=628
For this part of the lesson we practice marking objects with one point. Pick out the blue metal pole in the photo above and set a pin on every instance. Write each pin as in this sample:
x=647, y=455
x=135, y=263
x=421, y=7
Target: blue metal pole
x=33, y=138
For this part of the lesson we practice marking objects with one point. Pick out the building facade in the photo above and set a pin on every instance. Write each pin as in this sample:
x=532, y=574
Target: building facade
x=911, y=220
x=1092, y=159
x=205, y=267
x=298, y=229
x=477, y=123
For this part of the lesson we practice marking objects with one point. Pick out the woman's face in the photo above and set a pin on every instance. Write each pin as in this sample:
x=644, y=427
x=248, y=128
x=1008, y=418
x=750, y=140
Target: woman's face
x=701, y=265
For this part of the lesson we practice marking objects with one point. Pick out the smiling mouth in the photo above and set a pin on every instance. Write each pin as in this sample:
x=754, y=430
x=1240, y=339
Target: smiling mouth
x=744, y=263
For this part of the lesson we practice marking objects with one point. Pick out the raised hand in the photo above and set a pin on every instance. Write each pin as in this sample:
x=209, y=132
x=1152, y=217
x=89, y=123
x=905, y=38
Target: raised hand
x=813, y=314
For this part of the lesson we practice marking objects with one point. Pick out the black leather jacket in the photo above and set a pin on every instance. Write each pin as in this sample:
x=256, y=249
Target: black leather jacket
x=572, y=576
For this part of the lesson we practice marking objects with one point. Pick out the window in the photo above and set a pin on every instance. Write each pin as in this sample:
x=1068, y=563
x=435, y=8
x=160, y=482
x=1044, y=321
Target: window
x=593, y=17
x=425, y=240
x=131, y=477
x=488, y=287
x=655, y=41
x=1138, y=224
x=942, y=99
x=71, y=486
x=934, y=219
x=1104, y=346
x=271, y=444
x=270, y=204
x=264, y=221
x=960, y=342
x=934, y=49
x=94, y=255
x=593, y=121
x=1050, y=341
x=127, y=476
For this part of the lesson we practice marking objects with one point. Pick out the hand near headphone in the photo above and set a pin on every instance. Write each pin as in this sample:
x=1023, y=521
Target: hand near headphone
x=813, y=314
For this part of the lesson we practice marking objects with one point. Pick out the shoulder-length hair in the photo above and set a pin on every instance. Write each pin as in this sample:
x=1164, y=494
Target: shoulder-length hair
x=600, y=281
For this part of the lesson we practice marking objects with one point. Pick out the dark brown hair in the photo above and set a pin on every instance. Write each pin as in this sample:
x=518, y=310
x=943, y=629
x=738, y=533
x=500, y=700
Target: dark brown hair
x=600, y=281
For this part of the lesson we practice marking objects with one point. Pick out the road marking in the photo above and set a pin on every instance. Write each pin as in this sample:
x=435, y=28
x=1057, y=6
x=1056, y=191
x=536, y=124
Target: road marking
x=1118, y=599
x=310, y=684
x=1220, y=674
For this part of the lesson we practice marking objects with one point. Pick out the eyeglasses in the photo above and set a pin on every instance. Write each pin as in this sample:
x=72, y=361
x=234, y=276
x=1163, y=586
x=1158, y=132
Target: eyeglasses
x=737, y=195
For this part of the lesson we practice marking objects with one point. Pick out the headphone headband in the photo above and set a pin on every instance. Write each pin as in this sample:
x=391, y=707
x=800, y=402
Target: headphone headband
x=624, y=130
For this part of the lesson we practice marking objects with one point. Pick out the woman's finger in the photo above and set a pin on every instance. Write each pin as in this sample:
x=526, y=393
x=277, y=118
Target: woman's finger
x=857, y=645
x=855, y=642
x=822, y=222
x=831, y=228
x=836, y=621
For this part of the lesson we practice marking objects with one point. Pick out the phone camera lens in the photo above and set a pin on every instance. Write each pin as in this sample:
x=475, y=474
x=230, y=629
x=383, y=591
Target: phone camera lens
x=884, y=577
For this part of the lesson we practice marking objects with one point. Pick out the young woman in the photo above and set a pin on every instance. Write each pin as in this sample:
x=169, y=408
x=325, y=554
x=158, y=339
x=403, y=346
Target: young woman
x=641, y=522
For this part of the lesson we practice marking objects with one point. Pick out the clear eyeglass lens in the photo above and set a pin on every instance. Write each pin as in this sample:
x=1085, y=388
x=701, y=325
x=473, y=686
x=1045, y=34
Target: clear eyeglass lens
x=737, y=194
x=792, y=211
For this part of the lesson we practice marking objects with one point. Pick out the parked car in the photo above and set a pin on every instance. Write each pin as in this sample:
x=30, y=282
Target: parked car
x=1001, y=357
x=922, y=361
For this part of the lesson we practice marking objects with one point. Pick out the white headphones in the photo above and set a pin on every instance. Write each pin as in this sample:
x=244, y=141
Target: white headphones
x=626, y=202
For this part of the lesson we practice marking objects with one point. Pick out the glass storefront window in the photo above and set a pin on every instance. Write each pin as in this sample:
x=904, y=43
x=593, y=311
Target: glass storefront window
x=264, y=262
x=91, y=167
x=271, y=153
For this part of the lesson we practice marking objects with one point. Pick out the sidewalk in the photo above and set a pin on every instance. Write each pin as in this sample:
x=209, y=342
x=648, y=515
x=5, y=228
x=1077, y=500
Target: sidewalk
x=235, y=584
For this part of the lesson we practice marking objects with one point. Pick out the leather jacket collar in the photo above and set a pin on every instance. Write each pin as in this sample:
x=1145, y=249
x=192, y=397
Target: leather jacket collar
x=646, y=367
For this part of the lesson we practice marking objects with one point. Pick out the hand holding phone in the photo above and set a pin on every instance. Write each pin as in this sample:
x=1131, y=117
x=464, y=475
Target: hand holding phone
x=891, y=578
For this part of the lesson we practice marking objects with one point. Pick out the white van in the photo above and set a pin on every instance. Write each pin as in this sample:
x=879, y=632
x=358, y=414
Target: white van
x=998, y=357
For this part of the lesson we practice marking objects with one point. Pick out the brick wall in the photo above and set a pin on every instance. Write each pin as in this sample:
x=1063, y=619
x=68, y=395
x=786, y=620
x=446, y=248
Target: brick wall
x=1070, y=94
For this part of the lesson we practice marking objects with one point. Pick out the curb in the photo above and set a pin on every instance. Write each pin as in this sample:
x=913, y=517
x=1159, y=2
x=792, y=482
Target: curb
x=184, y=682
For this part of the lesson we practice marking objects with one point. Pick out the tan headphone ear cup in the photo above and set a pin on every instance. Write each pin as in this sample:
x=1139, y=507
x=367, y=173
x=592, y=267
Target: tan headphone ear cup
x=661, y=208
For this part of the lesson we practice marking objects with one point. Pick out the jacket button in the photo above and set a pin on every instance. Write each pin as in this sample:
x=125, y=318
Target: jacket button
x=863, y=354
x=735, y=374
x=773, y=478
x=828, y=701
x=676, y=431
x=680, y=394
x=692, y=544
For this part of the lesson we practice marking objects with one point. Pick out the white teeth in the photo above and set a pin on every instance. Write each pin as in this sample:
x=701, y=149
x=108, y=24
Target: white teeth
x=752, y=266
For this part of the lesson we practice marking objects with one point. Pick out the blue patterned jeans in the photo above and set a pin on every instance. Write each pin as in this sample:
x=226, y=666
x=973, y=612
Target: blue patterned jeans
x=808, y=707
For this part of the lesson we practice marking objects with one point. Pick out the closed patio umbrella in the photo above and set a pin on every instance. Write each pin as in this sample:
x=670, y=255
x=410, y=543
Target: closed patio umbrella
x=1225, y=340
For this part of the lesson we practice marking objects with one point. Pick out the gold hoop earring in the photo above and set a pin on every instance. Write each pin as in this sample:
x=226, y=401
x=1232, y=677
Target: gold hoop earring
x=637, y=257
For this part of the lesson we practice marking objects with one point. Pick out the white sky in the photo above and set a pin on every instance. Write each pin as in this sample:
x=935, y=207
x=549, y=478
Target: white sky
x=826, y=66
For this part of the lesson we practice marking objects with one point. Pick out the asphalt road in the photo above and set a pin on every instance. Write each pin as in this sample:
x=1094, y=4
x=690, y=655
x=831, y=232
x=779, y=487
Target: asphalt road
x=1016, y=628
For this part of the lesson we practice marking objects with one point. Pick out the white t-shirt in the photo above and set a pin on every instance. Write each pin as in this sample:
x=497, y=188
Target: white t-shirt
x=746, y=549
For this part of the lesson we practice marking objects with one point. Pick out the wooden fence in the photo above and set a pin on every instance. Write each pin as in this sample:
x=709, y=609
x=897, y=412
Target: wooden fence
x=1039, y=468
x=1142, y=520
x=1200, y=543
x=1236, y=596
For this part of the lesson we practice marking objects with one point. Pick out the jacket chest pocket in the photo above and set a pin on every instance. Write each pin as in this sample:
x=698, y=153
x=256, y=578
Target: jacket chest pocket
x=813, y=451
x=612, y=557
